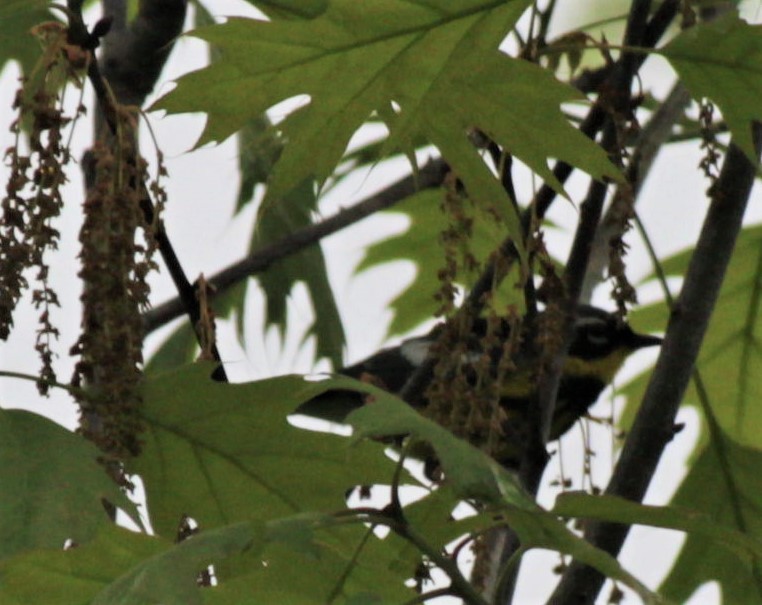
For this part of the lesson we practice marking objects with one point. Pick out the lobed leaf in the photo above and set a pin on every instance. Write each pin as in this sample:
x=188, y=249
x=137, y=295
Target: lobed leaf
x=416, y=303
x=223, y=453
x=722, y=60
x=473, y=475
x=294, y=211
x=301, y=559
x=438, y=63
x=725, y=484
x=697, y=524
x=51, y=486
x=17, y=17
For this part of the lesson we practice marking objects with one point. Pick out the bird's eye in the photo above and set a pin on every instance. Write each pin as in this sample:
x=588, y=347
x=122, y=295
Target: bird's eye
x=597, y=335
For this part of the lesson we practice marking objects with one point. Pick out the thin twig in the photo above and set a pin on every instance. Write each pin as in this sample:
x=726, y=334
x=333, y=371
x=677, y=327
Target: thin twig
x=428, y=596
x=650, y=140
x=429, y=176
x=459, y=585
x=37, y=379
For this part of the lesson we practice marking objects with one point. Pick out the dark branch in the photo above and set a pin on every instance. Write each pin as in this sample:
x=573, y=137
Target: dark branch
x=505, y=255
x=650, y=140
x=653, y=428
x=614, y=101
x=617, y=97
x=145, y=46
x=134, y=56
x=430, y=175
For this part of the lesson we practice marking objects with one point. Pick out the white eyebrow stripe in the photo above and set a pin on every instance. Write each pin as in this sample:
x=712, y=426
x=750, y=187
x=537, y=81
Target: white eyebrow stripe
x=585, y=322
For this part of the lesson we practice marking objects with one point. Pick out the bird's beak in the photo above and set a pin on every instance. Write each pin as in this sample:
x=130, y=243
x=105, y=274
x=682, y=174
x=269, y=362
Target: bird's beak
x=639, y=341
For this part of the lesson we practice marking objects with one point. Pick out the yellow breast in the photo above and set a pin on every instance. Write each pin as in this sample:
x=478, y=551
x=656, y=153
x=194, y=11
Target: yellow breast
x=603, y=368
x=520, y=384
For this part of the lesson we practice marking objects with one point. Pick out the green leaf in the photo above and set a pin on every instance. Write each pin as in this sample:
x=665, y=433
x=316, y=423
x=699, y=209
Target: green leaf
x=727, y=489
x=291, y=9
x=75, y=576
x=17, y=17
x=439, y=63
x=201, y=15
x=473, y=475
x=432, y=517
x=722, y=60
x=260, y=146
x=178, y=349
x=419, y=243
x=312, y=559
x=364, y=155
x=51, y=487
x=293, y=212
x=223, y=453
x=299, y=559
x=698, y=524
x=170, y=577
x=470, y=473
x=547, y=532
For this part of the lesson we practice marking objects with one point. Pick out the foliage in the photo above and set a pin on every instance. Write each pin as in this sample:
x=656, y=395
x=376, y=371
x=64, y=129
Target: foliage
x=245, y=504
x=20, y=16
x=728, y=76
x=261, y=472
x=721, y=482
x=416, y=57
x=53, y=490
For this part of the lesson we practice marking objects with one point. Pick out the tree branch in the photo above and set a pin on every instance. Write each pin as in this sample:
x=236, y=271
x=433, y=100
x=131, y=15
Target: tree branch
x=429, y=176
x=133, y=56
x=653, y=428
x=615, y=98
x=650, y=140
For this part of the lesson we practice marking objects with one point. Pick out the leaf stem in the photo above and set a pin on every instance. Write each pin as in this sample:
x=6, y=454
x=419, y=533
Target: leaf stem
x=459, y=585
x=336, y=591
x=36, y=379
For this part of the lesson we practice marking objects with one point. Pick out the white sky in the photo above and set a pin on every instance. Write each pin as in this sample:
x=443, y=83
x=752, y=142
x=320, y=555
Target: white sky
x=202, y=189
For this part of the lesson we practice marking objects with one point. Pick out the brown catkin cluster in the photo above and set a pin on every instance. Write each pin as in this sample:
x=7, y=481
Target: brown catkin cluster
x=710, y=163
x=464, y=393
x=448, y=393
x=114, y=270
x=622, y=292
x=32, y=197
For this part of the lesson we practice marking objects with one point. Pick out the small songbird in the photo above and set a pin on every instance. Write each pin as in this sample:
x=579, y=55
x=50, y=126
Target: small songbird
x=600, y=344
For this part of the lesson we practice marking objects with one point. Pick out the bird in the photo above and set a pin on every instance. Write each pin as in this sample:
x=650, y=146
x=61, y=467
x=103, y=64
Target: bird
x=601, y=342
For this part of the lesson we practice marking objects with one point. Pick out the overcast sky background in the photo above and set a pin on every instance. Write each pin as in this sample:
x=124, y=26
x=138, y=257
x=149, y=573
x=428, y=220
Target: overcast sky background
x=202, y=187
